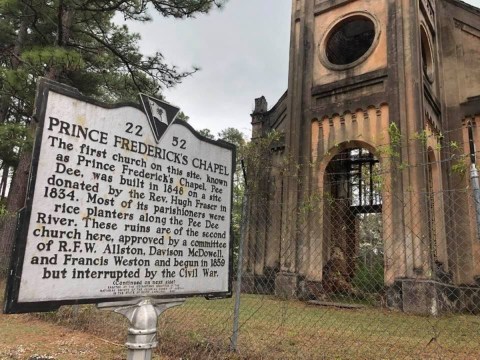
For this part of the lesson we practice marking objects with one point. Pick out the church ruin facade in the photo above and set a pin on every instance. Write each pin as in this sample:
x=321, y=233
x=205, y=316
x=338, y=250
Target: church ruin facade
x=381, y=111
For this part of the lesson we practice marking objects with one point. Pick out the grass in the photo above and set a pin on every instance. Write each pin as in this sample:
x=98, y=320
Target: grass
x=289, y=329
x=274, y=329
x=23, y=337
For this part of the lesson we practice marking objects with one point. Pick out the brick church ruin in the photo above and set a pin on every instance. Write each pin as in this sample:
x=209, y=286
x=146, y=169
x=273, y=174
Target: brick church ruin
x=382, y=106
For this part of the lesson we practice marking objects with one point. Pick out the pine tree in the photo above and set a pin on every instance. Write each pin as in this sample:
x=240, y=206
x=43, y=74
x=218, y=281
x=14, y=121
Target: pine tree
x=76, y=42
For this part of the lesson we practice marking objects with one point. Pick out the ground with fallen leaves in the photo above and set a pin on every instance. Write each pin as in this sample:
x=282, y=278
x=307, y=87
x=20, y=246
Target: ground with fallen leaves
x=22, y=337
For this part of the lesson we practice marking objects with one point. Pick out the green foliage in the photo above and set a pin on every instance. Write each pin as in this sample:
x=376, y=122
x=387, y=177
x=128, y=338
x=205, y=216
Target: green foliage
x=236, y=137
x=402, y=166
x=13, y=79
x=181, y=116
x=369, y=278
x=47, y=57
x=233, y=136
x=421, y=136
x=460, y=166
x=257, y=157
x=14, y=138
x=454, y=146
x=3, y=209
x=311, y=204
x=369, y=274
x=79, y=43
x=392, y=150
x=207, y=133
x=395, y=134
x=185, y=8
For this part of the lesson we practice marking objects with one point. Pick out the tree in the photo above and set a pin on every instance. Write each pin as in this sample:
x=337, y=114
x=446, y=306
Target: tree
x=76, y=42
x=207, y=133
x=12, y=141
x=237, y=138
x=233, y=136
x=181, y=116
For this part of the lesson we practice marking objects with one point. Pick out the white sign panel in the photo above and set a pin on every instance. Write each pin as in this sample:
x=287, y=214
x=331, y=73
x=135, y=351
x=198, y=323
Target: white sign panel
x=116, y=214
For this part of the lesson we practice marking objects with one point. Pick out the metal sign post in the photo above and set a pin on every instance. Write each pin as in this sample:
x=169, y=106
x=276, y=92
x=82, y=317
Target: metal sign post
x=474, y=181
x=142, y=314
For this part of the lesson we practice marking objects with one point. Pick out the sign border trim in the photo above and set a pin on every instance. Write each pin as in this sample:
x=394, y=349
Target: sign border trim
x=11, y=303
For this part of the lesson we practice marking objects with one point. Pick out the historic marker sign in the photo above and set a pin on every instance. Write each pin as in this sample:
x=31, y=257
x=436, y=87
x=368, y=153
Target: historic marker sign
x=123, y=203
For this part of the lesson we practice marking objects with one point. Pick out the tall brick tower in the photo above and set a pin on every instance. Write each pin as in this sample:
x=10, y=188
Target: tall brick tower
x=379, y=94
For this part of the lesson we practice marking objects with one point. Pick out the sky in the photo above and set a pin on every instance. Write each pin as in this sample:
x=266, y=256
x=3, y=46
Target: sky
x=242, y=51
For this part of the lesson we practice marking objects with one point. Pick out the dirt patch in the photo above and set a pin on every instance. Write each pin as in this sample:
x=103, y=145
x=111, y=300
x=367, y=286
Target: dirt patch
x=24, y=337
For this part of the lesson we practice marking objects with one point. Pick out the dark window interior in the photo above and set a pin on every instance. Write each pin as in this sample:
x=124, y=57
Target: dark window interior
x=350, y=40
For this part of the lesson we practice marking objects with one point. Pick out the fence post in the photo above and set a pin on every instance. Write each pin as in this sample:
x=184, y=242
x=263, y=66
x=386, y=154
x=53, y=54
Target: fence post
x=476, y=195
x=474, y=177
x=238, y=287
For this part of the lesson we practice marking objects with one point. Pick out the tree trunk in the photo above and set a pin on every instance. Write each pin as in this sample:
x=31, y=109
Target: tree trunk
x=14, y=62
x=64, y=25
x=16, y=198
x=3, y=182
x=8, y=224
x=18, y=188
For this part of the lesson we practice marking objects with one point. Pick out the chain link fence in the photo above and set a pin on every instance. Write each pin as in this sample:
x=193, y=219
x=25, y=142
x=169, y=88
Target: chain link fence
x=355, y=263
x=354, y=271
x=345, y=300
x=359, y=309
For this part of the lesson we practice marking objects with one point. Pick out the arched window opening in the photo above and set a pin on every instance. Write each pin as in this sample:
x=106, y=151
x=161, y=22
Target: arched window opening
x=427, y=57
x=355, y=233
